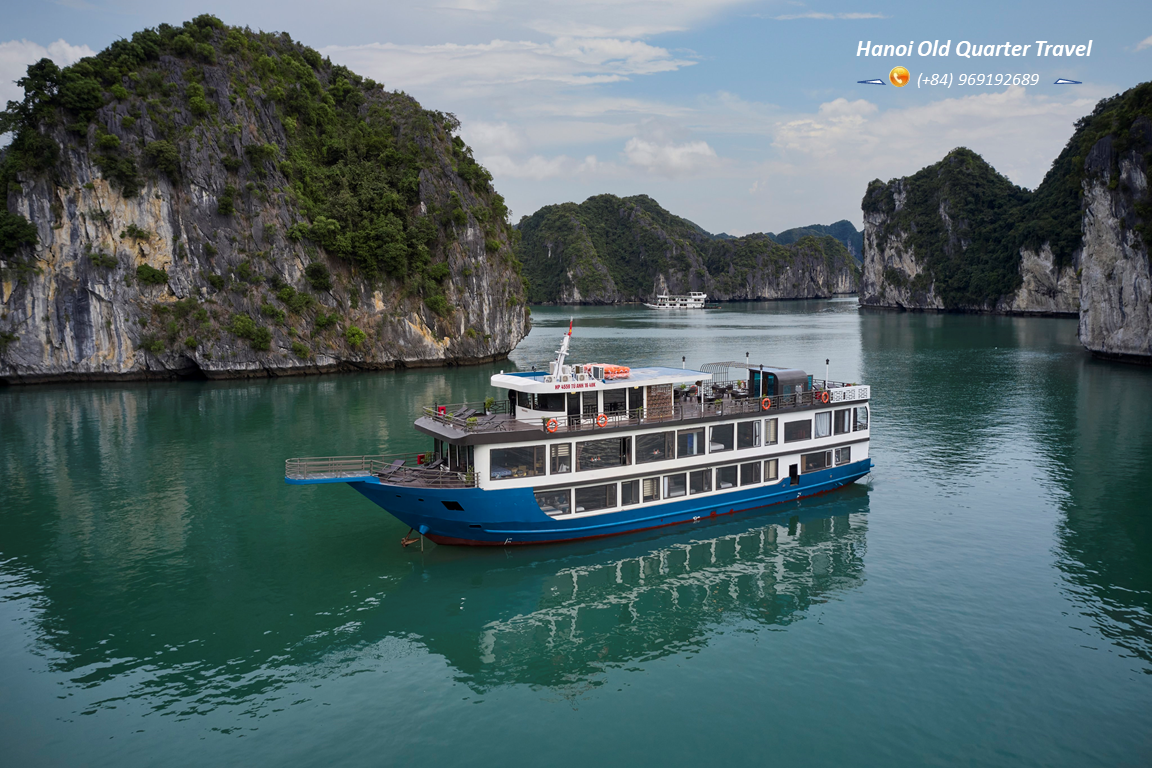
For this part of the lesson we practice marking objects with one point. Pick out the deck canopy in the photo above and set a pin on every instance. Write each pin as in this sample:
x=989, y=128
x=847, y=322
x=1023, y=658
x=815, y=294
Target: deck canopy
x=541, y=382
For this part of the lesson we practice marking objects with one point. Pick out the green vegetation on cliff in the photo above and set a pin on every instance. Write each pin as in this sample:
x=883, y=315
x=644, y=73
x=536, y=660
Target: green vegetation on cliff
x=610, y=249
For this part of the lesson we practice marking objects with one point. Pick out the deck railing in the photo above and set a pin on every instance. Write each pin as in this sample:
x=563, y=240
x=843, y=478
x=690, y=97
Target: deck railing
x=417, y=469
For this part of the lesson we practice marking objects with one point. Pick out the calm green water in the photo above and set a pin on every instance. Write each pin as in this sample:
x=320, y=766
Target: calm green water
x=984, y=598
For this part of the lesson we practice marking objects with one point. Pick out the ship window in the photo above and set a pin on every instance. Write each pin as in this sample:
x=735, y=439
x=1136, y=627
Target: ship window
x=525, y=400
x=748, y=434
x=629, y=492
x=635, y=398
x=797, y=430
x=675, y=485
x=453, y=505
x=770, y=436
x=771, y=469
x=750, y=473
x=561, y=458
x=810, y=462
x=651, y=488
x=843, y=455
x=596, y=497
x=550, y=402
x=725, y=477
x=517, y=462
x=721, y=439
x=689, y=442
x=861, y=418
x=657, y=447
x=700, y=481
x=615, y=400
x=554, y=503
x=824, y=424
x=842, y=422
x=602, y=454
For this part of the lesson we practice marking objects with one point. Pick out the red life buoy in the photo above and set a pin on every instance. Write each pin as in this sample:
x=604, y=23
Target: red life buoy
x=601, y=421
x=766, y=403
x=824, y=396
x=552, y=425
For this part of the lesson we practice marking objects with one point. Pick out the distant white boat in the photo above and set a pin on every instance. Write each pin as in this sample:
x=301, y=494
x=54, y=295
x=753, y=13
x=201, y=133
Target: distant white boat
x=693, y=300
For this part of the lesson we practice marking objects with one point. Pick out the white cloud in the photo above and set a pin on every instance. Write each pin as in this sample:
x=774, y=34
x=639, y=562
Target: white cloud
x=16, y=55
x=596, y=18
x=539, y=168
x=669, y=159
x=827, y=16
x=1145, y=43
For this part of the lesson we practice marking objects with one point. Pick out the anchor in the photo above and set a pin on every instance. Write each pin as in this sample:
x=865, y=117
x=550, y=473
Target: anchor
x=410, y=539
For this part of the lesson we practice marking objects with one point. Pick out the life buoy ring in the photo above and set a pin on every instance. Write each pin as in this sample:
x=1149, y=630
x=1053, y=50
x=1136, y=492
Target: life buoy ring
x=766, y=403
x=601, y=421
x=824, y=396
x=552, y=425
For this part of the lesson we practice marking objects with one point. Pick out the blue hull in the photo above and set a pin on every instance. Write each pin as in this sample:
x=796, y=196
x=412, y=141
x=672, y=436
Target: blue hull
x=512, y=516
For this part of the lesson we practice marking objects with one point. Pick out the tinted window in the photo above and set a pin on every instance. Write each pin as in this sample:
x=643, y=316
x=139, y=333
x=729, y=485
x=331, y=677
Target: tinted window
x=675, y=485
x=560, y=458
x=657, y=447
x=771, y=469
x=842, y=422
x=843, y=456
x=554, y=502
x=553, y=402
x=725, y=477
x=689, y=442
x=797, y=430
x=596, y=497
x=748, y=434
x=861, y=418
x=602, y=454
x=700, y=481
x=629, y=492
x=615, y=400
x=810, y=462
x=722, y=438
x=750, y=473
x=517, y=462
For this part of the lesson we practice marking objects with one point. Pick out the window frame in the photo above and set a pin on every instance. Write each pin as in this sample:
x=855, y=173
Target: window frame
x=492, y=463
x=755, y=426
x=816, y=419
x=734, y=469
x=683, y=476
x=706, y=474
x=703, y=441
x=552, y=457
x=625, y=453
x=731, y=445
x=773, y=431
x=771, y=469
x=611, y=497
x=555, y=491
x=669, y=446
x=753, y=468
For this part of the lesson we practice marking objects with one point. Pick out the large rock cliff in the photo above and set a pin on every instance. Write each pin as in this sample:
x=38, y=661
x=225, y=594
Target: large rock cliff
x=608, y=250
x=211, y=201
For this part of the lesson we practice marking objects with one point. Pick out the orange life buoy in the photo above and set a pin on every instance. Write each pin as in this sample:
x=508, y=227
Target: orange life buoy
x=824, y=396
x=552, y=425
x=766, y=403
x=601, y=421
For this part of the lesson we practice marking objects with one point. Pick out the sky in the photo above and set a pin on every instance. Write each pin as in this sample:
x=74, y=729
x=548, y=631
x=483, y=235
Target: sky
x=741, y=116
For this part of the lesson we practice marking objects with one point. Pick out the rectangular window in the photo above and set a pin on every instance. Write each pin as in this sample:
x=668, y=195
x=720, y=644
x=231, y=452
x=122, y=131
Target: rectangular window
x=810, y=462
x=700, y=481
x=657, y=447
x=602, y=454
x=843, y=455
x=517, y=462
x=675, y=485
x=560, y=458
x=861, y=418
x=629, y=492
x=770, y=437
x=615, y=400
x=771, y=470
x=725, y=477
x=689, y=442
x=635, y=400
x=525, y=400
x=748, y=434
x=842, y=422
x=750, y=473
x=553, y=503
x=797, y=430
x=651, y=488
x=722, y=438
x=824, y=424
x=550, y=402
x=596, y=497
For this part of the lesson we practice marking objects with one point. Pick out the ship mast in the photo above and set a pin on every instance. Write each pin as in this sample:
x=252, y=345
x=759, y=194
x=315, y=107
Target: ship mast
x=562, y=353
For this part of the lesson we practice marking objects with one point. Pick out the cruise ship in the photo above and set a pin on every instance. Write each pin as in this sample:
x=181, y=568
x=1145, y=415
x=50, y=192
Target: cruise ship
x=693, y=300
x=582, y=451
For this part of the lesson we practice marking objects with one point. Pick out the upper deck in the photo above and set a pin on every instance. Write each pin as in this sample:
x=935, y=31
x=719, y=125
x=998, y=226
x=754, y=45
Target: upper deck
x=543, y=382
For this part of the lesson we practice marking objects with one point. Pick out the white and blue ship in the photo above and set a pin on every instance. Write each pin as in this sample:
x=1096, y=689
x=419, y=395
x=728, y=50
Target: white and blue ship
x=582, y=451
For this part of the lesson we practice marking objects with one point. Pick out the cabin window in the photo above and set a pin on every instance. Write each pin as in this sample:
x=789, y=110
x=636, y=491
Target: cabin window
x=842, y=422
x=861, y=418
x=770, y=437
x=675, y=485
x=689, y=442
x=700, y=481
x=750, y=473
x=722, y=438
x=657, y=447
x=725, y=477
x=635, y=399
x=527, y=461
x=810, y=462
x=602, y=454
x=596, y=497
x=615, y=400
x=797, y=430
x=843, y=455
x=525, y=400
x=659, y=401
x=629, y=492
x=748, y=434
x=651, y=488
x=550, y=402
x=771, y=469
x=560, y=458
x=553, y=503
x=824, y=424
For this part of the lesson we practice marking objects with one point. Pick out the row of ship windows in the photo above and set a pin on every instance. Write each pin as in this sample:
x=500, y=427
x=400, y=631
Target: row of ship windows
x=593, y=498
x=556, y=458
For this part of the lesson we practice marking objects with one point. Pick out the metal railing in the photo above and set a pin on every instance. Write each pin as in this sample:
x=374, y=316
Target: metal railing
x=416, y=469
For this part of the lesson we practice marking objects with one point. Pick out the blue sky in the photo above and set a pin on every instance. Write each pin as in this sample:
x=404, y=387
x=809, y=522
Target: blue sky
x=742, y=116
